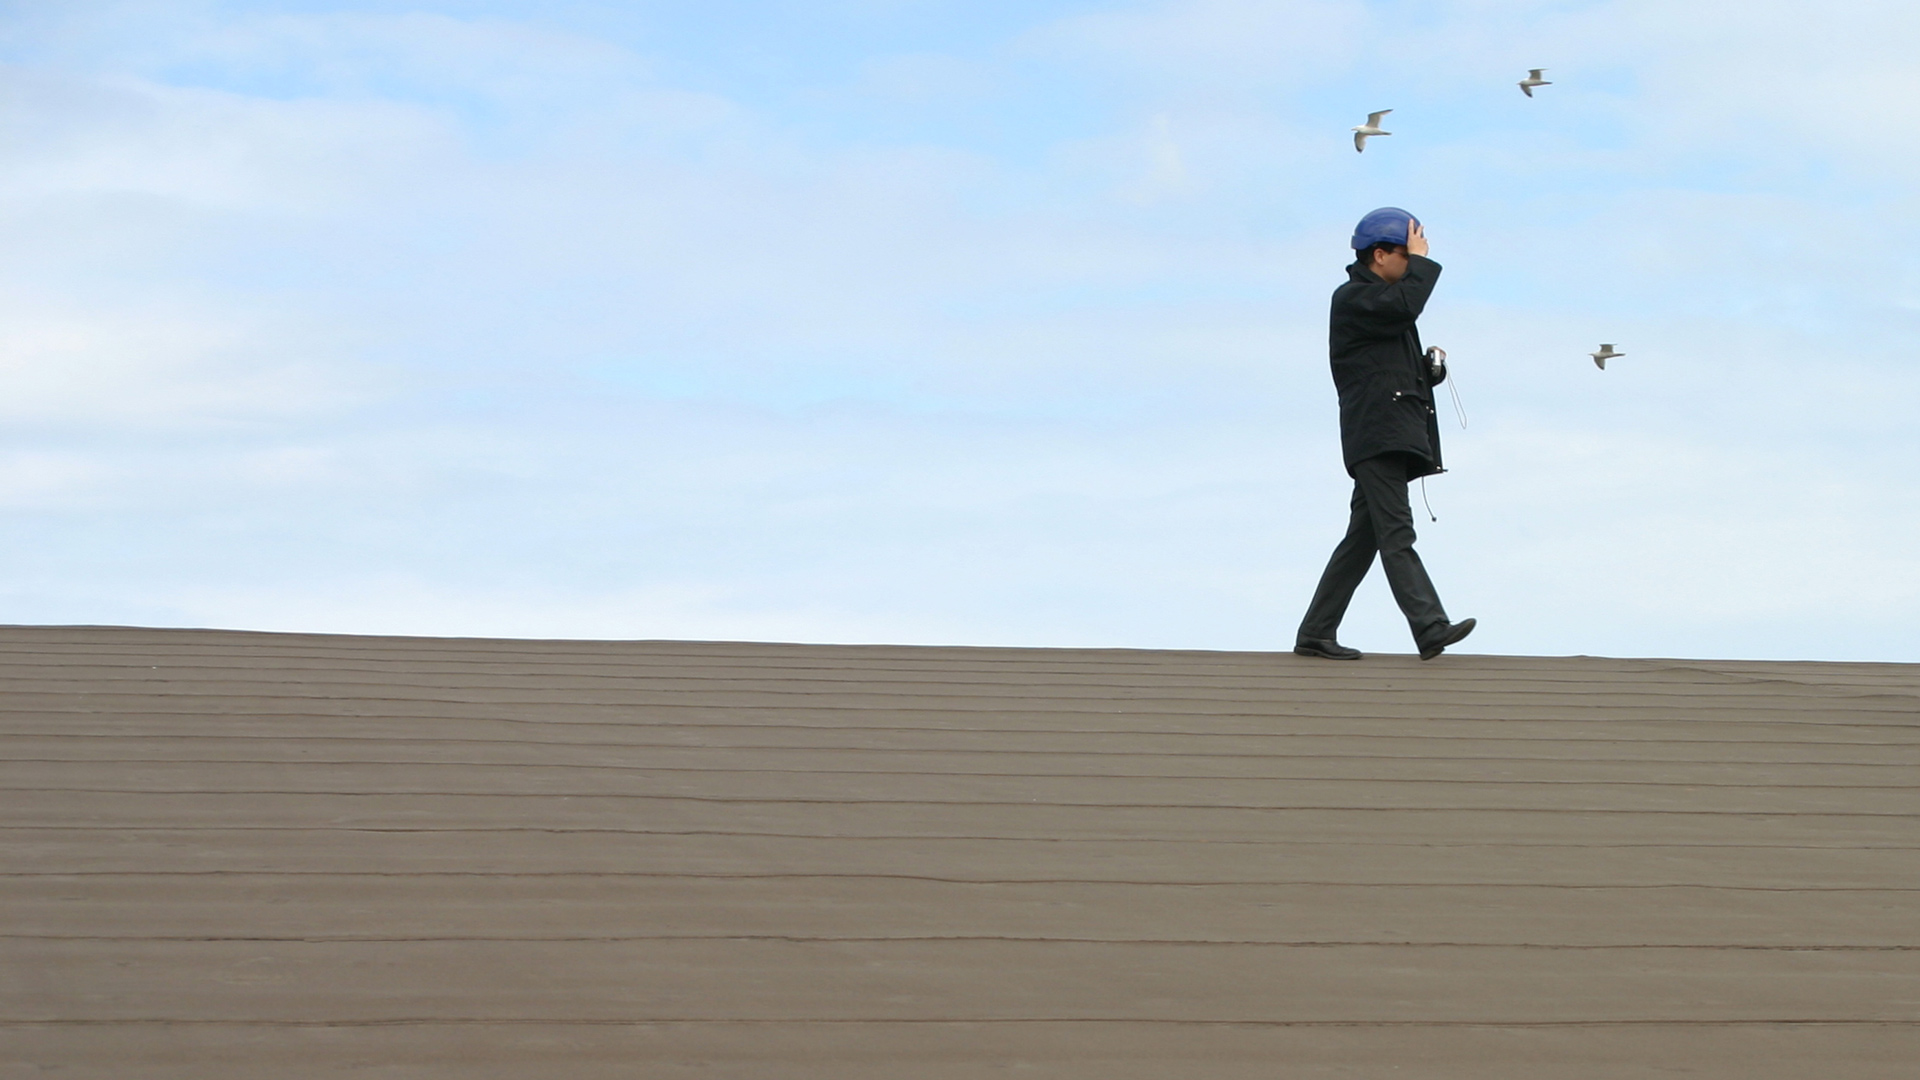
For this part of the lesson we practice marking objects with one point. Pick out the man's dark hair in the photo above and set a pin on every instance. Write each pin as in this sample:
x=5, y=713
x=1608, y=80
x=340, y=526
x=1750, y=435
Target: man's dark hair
x=1365, y=255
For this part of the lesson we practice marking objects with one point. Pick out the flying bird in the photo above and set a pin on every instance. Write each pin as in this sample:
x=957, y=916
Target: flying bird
x=1371, y=127
x=1605, y=354
x=1532, y=80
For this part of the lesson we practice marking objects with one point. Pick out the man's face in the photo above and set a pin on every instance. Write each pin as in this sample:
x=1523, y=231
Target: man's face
x=1390, y=263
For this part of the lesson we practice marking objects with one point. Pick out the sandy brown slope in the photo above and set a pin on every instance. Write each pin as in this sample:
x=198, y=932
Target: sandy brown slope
x=261, y=855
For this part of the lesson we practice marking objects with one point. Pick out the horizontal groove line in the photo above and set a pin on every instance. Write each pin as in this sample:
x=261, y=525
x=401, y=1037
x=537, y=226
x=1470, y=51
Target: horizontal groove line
x=1025, y=1021
x=392, y=671
x=91, y=636
x=977, y=704
x=1166, y=733
x=1611, y=698
x=311, y=939
x=1397, y=737
x=1275, y=663
x=794, y=654
x=1038, y=690
x=939, y=880
x=715, y=770
x=1264, y=717
x=544, y=744
x=697, y=666
x=635, y=717
x=922, y=837
x=429, y=671
x=86, y=634
x=1028, y=803
x=1264, y=666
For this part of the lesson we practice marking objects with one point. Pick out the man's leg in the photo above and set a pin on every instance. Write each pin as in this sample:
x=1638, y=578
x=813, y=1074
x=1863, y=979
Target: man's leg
x=1351, y=560
x=1383, y=482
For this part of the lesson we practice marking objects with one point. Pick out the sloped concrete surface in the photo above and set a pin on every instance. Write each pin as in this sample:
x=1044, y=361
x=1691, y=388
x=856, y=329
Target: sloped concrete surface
x=264, y=855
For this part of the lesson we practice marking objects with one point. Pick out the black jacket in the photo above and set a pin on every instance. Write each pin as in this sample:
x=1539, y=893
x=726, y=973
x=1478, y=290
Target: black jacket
x=1386, y=389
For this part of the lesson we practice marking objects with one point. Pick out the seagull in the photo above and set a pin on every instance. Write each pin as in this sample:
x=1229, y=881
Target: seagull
x=1371, y=127
x=1605, y=354
x=1532, y=80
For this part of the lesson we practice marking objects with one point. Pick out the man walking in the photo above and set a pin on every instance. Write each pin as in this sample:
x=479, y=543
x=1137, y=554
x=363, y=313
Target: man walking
x=1389, y=433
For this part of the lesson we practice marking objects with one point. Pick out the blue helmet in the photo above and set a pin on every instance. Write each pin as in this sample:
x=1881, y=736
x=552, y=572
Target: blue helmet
x=1387, y=225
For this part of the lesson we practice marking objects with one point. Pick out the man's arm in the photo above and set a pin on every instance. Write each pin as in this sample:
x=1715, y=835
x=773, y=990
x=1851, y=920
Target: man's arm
x=1382, y=310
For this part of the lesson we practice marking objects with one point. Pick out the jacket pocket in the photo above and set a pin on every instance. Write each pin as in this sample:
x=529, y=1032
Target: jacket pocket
x=1424, y=403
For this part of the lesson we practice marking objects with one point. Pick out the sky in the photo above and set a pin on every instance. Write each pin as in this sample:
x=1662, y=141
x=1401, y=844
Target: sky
x=981, y=322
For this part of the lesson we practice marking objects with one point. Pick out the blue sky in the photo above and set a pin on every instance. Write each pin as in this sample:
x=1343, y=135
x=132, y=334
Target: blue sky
x=982, y=323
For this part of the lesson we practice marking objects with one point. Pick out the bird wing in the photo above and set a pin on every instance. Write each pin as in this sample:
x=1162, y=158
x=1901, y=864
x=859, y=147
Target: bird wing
x=1534, y=73
x=1373, y=118
x=1359, y=141
x=1600, y=362
x=1527, y=90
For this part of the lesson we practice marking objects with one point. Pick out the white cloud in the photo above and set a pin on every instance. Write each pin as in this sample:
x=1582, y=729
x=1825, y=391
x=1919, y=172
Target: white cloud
x=158, y=366
x=1240, y=43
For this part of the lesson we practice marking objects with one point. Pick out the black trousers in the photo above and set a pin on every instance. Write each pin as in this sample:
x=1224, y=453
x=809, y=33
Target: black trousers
x=1382, y=523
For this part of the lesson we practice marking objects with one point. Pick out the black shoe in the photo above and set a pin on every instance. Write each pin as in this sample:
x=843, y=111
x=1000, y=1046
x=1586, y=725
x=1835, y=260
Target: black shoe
x=1451, y=634
x=1325, y=649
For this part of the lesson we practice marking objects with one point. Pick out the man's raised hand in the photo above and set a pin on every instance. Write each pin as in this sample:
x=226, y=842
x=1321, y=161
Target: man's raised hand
x=1416, y=238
